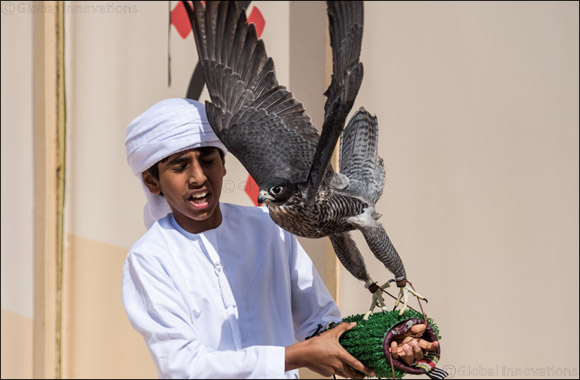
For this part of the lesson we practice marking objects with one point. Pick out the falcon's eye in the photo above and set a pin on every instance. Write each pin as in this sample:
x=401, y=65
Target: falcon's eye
x=276, y=190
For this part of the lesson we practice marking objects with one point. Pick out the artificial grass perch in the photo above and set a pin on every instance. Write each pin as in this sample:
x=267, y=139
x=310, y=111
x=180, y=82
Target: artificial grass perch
x=370, y=339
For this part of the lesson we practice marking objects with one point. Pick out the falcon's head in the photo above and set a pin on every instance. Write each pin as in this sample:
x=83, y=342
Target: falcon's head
x=276, y=191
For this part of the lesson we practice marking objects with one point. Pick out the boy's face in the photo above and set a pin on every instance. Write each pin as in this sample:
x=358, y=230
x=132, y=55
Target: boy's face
x=191, y=182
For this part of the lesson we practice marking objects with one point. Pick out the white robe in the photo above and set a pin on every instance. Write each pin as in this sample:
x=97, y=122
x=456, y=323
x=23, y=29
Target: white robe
x=226, y=302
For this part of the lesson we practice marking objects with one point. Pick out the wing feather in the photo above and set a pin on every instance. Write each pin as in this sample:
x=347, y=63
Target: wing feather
x=258, y=120
x=345, y=19
x=359, y=159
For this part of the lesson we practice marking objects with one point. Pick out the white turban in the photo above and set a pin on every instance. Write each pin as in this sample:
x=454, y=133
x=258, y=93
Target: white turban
x=169, y=126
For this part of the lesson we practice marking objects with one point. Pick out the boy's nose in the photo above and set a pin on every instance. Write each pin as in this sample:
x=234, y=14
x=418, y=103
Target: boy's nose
x=197, y=175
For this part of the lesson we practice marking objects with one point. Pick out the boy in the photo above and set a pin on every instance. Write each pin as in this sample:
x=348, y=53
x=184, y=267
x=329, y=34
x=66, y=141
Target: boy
x=218, y=290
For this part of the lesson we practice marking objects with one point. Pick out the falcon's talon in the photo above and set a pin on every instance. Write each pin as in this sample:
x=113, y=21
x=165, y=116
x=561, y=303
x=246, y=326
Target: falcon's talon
x=377, y=300
x=404, y=296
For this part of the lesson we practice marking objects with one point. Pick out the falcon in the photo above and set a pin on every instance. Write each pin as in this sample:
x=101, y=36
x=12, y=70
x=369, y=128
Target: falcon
x=268, y=131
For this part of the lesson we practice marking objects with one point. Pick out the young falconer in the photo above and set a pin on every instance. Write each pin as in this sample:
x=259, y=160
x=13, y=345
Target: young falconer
x=218, y=290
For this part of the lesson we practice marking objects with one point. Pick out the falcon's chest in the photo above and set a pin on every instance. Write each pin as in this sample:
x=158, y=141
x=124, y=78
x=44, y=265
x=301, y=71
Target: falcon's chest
x=325, y=215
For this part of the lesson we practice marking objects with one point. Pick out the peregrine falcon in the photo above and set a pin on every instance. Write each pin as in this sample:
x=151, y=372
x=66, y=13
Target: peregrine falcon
x=269, y=132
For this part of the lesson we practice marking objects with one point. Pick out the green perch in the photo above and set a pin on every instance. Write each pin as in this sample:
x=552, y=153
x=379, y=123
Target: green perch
x=370, y=339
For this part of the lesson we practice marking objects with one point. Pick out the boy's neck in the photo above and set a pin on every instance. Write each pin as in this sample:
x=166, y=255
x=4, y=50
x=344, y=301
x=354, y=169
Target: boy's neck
x=198, y=226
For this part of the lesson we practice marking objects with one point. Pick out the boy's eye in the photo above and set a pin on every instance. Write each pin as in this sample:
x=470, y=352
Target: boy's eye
x=180, y=168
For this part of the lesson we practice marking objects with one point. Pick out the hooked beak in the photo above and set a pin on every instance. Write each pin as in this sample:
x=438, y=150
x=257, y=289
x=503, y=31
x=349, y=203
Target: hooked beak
x=263, y=197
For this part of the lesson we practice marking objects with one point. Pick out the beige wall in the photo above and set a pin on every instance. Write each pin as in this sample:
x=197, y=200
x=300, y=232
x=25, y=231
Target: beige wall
x=99, y=341
x=478, y=108
x=477, y=104
x=16, y=352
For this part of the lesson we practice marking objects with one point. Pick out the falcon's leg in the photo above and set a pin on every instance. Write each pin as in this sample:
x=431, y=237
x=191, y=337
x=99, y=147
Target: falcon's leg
x=351, y=258
x=349, y=255
x=383, y=249
x=381, y=246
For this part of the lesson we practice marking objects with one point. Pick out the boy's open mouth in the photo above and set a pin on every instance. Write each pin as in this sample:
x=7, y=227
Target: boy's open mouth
x=199, y=200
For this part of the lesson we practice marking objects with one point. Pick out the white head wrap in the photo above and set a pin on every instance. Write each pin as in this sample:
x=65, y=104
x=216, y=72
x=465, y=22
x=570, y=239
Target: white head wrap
x=169, y=126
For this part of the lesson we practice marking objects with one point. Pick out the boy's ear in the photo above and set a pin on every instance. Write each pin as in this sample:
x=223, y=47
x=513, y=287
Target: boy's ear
x=151, y=182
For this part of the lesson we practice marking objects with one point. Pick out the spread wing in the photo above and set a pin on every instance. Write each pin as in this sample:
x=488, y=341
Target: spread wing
x=345, y=21
x=258, y=120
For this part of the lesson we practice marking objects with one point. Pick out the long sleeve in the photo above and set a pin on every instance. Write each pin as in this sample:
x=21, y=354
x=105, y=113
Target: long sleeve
x=312, y=304
x=156, y=308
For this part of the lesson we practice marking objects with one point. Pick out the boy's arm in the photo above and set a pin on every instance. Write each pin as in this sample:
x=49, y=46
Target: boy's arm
x=312, y=305
x=324, y=355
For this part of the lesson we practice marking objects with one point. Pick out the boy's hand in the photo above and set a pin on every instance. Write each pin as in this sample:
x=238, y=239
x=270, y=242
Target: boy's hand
x=324, y=354
x=409, y=347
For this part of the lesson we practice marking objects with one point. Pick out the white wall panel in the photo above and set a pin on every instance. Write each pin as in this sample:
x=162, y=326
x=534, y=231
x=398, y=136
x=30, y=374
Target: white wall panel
x=17, y=161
